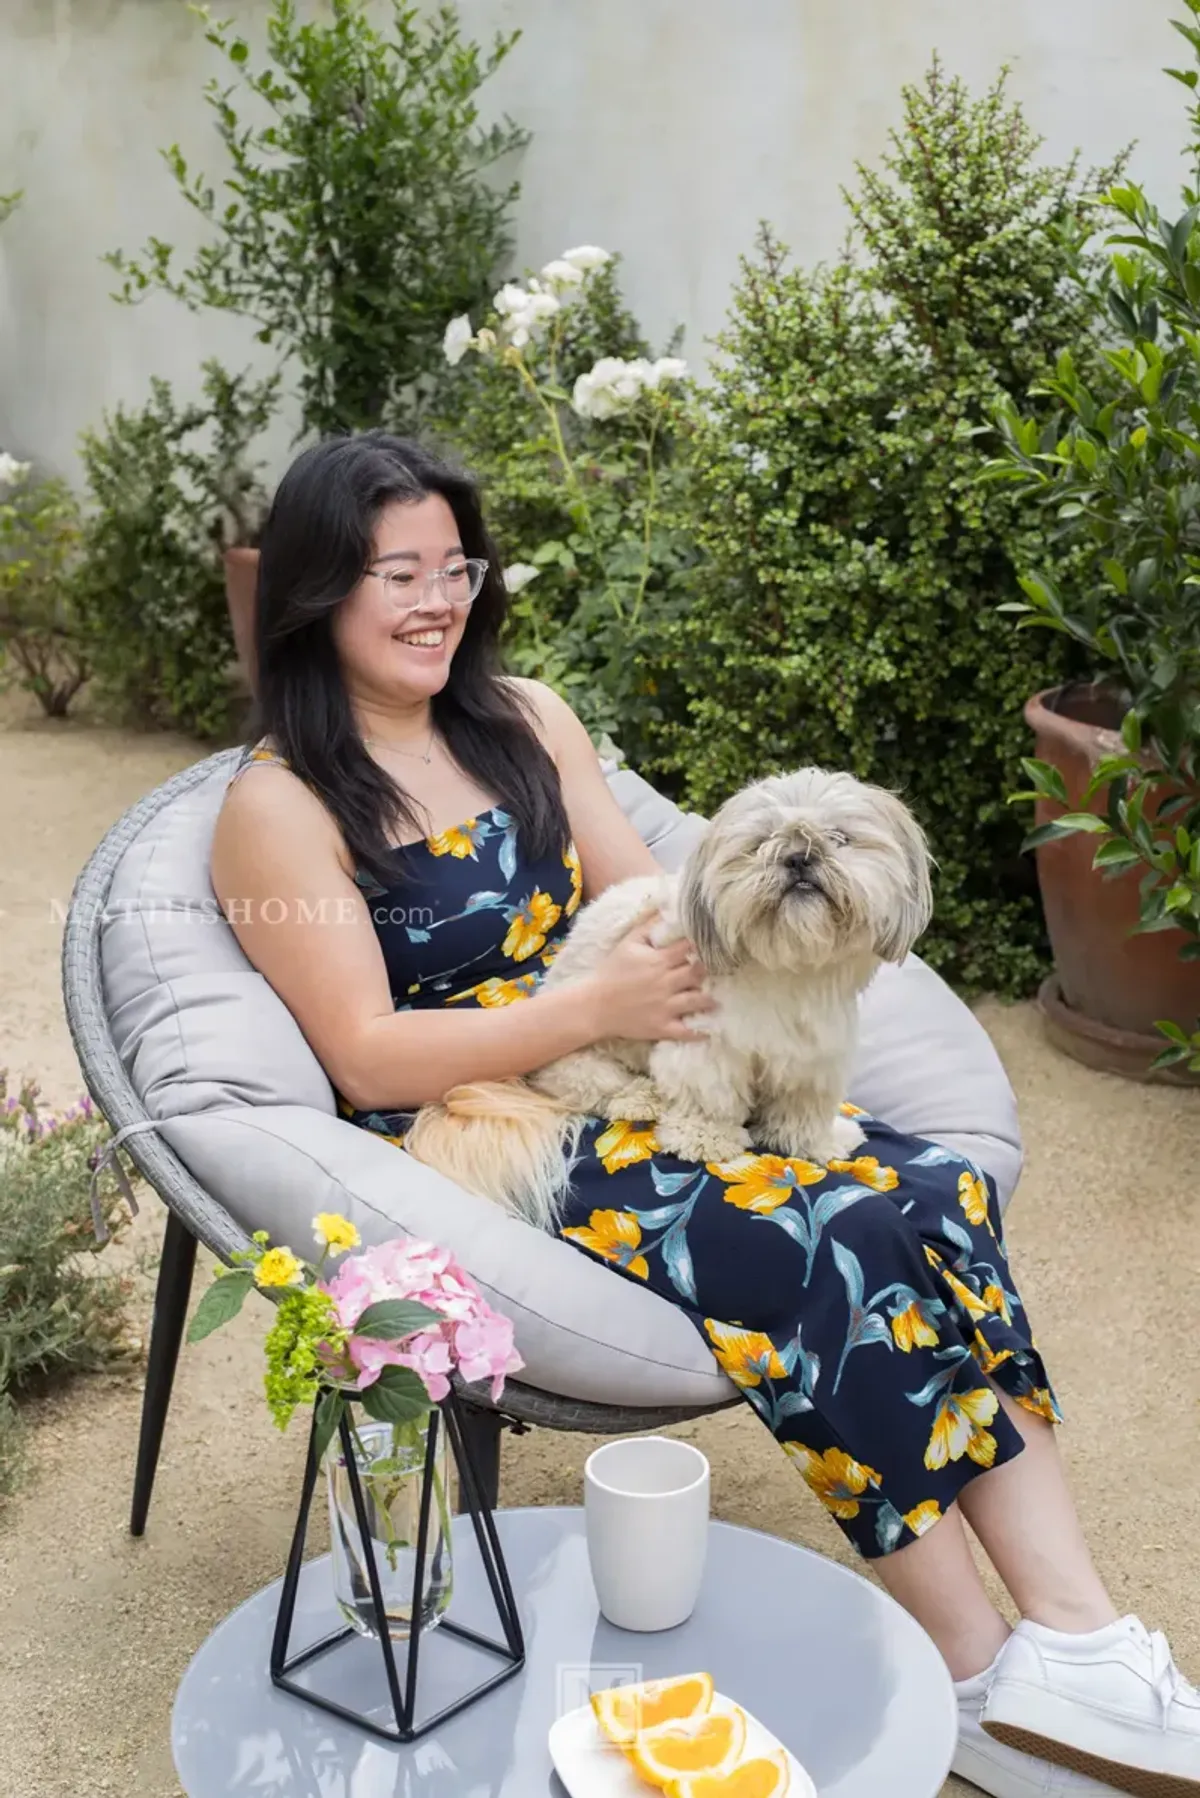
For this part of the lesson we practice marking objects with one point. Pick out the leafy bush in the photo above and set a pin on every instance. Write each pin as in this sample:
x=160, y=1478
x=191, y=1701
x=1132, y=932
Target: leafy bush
x=58, y=1315
x=360, y=209
x=1115, y=458
x=171, y=486
x=849, y=612
x=39, y=633
x=569, y=428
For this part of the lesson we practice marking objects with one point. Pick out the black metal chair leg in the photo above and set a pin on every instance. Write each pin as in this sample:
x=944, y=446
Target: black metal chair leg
x=481, y=1430
x=166, y=1334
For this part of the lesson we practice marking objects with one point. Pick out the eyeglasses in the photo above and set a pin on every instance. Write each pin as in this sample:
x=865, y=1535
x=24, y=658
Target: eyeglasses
x=459, y=581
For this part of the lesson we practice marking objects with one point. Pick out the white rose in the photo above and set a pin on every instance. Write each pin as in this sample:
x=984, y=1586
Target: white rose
x=667, y=368
x=609, y=386
x=542, y=305
x=458, y=339
x=586, y=257
x=12, y=471
x=561, y=273
x=518, y=575
x=519, y=336
x=485, y=341
x=510, y=298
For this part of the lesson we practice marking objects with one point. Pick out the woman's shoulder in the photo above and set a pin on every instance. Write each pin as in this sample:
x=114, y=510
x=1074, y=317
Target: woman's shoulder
x=548, y=711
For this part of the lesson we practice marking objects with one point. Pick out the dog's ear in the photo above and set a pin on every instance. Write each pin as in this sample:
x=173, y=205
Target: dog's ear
x=697, y=913
x=911, y=909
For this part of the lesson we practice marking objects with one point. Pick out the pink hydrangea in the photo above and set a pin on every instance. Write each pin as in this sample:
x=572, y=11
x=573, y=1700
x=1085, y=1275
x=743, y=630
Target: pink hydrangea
x=474, y=1339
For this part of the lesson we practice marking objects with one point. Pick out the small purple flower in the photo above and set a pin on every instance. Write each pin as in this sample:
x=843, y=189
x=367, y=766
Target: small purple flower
x=86, y=1106
x=10, y=1105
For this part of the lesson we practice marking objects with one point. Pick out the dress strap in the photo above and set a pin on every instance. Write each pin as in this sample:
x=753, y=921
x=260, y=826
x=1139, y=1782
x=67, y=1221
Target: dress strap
x=258, y=753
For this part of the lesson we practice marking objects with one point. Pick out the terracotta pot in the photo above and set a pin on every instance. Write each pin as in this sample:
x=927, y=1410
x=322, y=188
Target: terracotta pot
x=241, y=587
x=1110, y=985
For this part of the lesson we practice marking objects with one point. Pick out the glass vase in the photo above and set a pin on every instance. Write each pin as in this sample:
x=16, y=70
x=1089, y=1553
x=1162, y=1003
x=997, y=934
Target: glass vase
x=390, y=1459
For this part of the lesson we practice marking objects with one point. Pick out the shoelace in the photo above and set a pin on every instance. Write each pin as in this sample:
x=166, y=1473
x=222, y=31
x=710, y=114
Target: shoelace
x=1168, y=1682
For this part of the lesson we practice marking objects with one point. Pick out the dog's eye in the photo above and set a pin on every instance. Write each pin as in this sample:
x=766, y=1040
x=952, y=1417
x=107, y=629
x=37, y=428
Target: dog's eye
x=838, y=838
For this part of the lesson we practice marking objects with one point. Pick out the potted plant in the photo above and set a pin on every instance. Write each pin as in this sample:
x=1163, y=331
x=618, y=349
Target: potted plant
x=1116, y=779
x=361, y=208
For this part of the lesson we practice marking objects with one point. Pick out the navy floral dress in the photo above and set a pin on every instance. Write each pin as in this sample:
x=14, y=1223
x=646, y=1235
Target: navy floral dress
x=865, y=1308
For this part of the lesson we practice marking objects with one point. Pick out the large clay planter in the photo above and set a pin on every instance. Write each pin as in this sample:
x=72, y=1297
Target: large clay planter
x=1109, y=986
x=241, y=586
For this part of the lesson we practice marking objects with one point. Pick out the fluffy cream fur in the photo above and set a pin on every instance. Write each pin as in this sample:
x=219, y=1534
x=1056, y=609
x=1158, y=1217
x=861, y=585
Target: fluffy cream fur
x=800, y=887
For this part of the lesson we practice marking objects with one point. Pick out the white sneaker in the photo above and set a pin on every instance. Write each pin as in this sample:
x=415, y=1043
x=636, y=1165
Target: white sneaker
x=1002, y=1771
x=1111, y=1704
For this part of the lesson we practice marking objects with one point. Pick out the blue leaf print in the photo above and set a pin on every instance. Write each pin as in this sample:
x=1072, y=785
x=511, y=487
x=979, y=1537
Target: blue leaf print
x=503, y=819
x=796, y=1227
x=850, y=1268
x=666, y=1184
x=865, y=1327
x=677, y=1259
x=793, y=1404
x=793, y=1355
x=939, y=1381
x=889, y=1526
x=661, y=1217
x=508, y=854
x=937, y=1157
x=416, y=936
x=955, y=1233
x=833, y=1200
x=483, y=902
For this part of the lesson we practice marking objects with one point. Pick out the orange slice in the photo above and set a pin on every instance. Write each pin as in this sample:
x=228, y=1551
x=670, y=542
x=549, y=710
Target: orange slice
x=674, y=1751
x=623, y=1712
x=766, y=1776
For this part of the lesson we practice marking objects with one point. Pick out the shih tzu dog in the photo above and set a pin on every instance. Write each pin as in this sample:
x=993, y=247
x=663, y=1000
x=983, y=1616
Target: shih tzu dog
x=802, y=884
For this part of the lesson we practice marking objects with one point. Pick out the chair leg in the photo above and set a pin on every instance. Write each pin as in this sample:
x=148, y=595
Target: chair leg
x=481, y=1432
x=166, y=1334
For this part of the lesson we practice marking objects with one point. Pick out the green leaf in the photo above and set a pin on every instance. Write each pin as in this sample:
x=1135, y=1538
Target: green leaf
x=1131, y=732
x=1176, y=1035
x=1073, y=821
x=1169, y=1056
x=397, y=1396
x=330, y=1406
x=223, y=1300
x=391, y=1319
x=238, y=50
x=1116, y=853
x=1047, y=780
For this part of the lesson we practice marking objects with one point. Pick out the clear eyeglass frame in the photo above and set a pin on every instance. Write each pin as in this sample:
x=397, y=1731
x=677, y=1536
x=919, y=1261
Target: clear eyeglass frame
x=460, y=582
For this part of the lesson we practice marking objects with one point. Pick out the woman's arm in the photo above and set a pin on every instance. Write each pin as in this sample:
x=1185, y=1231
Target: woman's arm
x=609, y=848
x=281, y=873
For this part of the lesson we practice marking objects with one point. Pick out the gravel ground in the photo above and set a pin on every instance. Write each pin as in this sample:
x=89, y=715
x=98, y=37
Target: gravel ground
x=98, y=1629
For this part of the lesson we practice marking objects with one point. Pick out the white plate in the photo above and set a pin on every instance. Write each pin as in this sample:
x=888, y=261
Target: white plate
x=591, y=1767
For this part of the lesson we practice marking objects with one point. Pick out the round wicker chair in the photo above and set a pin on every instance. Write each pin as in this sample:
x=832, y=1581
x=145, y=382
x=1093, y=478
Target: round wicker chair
x=194, y=1217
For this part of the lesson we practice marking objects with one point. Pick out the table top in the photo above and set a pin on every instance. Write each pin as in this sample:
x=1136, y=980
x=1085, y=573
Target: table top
x=830, y=1664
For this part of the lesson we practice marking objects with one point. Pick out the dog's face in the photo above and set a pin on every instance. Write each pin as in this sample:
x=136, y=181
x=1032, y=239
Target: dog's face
x=803, y=870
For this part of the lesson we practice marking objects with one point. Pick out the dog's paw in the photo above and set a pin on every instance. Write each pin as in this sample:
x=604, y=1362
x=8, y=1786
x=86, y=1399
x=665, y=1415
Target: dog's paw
x=637, y=1103
x=701, y=1139
x=845, y=1135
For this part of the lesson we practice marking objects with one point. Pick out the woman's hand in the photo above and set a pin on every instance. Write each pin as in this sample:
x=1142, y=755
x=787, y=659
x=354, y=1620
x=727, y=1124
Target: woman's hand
x=645, y=991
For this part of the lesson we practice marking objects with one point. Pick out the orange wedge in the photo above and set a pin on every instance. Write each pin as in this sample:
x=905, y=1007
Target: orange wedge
x=623, y=1712
x=675, y=1751
x=766, y=1776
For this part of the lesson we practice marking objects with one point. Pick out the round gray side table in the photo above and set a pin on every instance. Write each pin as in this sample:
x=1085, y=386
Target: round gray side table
x=827, y=1662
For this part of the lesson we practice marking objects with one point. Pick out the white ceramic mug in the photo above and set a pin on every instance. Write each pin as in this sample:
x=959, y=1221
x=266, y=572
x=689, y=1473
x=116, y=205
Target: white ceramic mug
x=646, y=1510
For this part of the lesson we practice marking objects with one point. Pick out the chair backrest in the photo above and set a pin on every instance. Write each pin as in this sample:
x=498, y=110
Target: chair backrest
x=167, y=1015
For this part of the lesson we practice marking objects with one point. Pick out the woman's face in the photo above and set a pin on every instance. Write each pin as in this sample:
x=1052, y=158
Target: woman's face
x=388, y=651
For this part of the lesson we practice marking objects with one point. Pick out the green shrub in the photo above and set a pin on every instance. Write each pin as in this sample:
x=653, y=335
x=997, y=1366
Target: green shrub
x=361, y=206
x=39, y=630
x=170, y=487
x=848, y=615
x=587, y=501
x=58, y=1314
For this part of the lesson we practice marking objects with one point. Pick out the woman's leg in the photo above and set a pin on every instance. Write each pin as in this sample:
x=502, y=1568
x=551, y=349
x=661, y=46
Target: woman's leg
x=1026, y=1520
x=938, y=1583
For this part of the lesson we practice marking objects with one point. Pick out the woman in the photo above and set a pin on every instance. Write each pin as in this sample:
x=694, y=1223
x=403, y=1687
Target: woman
x=448, y=821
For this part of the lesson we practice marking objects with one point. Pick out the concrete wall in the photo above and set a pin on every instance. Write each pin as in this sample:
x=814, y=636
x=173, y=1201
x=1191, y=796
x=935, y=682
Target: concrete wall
x=665, y=129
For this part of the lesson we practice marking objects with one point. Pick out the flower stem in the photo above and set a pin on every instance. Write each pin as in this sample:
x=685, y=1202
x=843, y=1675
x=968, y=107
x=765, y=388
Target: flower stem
x=647, y=518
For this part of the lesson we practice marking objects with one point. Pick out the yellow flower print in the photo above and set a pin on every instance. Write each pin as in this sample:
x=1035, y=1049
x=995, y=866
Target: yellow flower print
x=867, y=1171
x=494, y=992
x=615, y=1235
x=532, y=925
x=278, y=1267
x=995, y=1299
x=345, y=1107
x=912, y=1329
x=974, y=1306
x=1040, y=1402
x=396, y=1141
x=988, y=1358
x=621, y=1145
x=746, y=1355
x=851, y=1111
x=973, y=1197
x=834, y=1477
x=958, y=1428
x=571, y=861
x=334, y=1231
x=460, y=841
x=923, y=1516
x=549, y=952
x=763, y=1183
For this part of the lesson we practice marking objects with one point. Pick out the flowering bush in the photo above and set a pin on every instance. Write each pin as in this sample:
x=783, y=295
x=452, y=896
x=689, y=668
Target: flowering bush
x=58, y=1315
x=39, y=552
x=387, y=1329
x=569, y=424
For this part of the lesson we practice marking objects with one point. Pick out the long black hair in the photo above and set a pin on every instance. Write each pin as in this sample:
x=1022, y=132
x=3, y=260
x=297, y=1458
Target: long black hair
x=316, y=545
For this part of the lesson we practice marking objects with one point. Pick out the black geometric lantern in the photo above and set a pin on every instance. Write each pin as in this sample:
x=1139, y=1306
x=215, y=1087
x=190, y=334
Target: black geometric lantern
x=403, y=1694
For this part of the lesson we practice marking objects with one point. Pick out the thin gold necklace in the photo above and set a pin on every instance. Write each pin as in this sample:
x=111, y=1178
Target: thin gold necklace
x=419, y=755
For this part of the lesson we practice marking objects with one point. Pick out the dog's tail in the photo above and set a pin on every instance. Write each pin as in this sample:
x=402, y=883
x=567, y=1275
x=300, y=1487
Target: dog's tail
x=503, y=1140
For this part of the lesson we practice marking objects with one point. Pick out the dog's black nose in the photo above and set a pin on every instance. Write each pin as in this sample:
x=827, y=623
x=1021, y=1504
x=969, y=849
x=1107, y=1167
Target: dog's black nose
x=800, y=861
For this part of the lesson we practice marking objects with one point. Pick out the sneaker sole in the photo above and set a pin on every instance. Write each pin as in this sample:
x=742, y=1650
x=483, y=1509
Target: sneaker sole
x=1043, y=1714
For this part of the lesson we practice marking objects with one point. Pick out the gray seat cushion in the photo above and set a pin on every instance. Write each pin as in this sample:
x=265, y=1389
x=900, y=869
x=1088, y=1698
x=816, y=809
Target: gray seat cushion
x=224, y=1068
